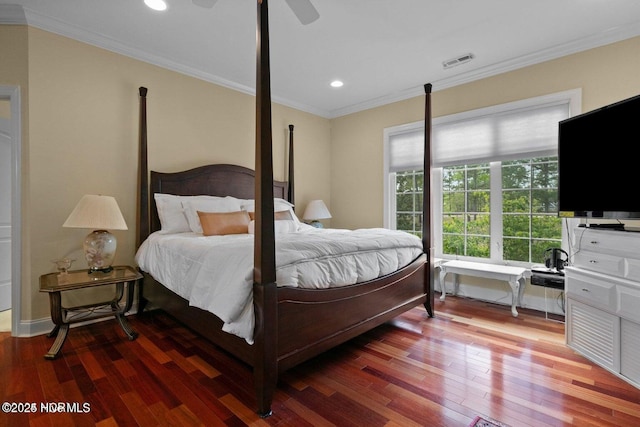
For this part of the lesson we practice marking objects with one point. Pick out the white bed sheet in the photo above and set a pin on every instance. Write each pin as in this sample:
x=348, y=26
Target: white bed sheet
x=215, y=273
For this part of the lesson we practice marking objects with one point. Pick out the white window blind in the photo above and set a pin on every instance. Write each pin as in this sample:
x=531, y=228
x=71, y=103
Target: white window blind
x=406, y=151
x=517, y=133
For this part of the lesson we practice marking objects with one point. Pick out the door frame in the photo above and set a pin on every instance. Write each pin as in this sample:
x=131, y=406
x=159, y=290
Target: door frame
x=12, y=94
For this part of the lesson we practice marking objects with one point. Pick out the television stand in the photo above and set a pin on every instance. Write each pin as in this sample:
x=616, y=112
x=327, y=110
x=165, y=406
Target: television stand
x=604, y=226
x=603, y=296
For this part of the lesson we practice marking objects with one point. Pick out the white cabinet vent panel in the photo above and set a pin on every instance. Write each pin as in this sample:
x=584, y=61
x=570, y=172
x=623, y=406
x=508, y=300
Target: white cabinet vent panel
x=594, y=333
x=629, y=359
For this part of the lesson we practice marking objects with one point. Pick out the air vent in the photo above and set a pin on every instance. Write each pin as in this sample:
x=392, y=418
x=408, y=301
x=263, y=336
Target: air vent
x=457, y=61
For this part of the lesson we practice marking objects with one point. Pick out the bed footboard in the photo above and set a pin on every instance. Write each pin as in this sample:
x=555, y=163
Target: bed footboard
x=309, y=321
x=312, y=321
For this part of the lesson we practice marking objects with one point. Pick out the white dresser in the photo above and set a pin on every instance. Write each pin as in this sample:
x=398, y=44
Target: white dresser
x=603, y=300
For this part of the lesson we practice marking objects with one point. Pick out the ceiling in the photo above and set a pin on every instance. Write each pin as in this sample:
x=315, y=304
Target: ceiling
x=383, y=50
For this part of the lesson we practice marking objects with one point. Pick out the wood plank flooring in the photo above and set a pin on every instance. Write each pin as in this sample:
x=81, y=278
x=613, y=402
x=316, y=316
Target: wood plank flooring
x=472, y=358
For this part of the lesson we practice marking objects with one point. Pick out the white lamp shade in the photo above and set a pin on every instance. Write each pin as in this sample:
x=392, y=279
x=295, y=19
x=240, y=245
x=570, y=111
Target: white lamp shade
x=96, y=212
x=316, y=209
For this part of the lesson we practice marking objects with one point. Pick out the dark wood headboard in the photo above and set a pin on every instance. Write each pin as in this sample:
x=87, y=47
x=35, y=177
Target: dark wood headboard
x=213, y=180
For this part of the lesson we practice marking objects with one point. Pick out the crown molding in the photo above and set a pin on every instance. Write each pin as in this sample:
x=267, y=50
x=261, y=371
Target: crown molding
x=57, y=27
x=12, y=14
x=558, y=51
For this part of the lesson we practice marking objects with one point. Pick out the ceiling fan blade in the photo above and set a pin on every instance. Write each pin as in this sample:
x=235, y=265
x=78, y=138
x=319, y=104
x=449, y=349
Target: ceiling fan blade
x=205, y=3
x=304, y=10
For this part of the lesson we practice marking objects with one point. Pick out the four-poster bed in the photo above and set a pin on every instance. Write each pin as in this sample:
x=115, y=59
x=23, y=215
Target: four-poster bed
x=291, y=324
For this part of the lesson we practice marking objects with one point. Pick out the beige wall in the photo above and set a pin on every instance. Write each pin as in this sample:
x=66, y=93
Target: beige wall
x=605, y=75
x=80, y=131
x=83, y=136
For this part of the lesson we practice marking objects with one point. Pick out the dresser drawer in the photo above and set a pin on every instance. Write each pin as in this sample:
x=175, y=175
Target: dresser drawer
x=591, y=290
x=629, y=302
x=600, y=263
x=633, y=269
x=602, y=241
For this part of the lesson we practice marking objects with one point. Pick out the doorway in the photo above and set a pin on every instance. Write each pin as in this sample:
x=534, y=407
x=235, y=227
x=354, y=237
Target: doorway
x=10, y=196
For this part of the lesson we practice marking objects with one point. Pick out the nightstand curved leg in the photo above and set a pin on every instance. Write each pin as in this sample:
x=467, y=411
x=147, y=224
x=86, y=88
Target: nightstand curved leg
x=126, y=327
x=54, y=332
x=120, y=315
x=62, y=331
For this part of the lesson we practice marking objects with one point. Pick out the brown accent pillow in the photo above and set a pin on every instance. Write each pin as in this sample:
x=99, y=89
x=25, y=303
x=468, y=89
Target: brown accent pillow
x=277, y=216
x=221, y=223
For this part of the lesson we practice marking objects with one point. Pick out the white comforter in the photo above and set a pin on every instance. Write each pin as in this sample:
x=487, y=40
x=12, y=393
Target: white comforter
x=215, y=273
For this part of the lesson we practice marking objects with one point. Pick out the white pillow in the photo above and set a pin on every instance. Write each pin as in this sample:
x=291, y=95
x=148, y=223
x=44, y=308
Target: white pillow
x=279, y=205
x=279, y=227
x=194, y=204
x=171, y=213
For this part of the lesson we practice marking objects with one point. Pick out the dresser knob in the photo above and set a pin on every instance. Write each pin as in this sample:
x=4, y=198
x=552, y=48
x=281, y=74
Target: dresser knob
x=593, y=261
x=585, y=290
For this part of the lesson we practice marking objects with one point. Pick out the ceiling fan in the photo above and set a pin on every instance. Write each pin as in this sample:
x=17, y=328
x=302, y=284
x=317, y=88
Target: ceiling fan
x=303, y=9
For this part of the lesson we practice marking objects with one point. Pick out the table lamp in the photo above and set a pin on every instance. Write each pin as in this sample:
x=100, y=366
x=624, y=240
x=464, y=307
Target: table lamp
x=316, y=209
x=99, y=213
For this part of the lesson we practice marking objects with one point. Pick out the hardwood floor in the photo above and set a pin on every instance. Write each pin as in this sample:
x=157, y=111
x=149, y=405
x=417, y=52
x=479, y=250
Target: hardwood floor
x=472, y=358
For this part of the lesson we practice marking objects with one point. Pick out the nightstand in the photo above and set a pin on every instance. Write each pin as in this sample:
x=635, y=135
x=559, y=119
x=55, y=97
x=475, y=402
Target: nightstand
x=56, y=283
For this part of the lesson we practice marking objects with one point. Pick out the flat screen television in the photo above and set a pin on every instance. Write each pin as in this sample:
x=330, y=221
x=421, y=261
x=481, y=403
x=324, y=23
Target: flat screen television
x=598, y=168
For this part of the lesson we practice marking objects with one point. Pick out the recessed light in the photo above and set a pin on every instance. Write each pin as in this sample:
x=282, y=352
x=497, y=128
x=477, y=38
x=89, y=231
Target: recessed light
x=156, y=4
x=337, y=83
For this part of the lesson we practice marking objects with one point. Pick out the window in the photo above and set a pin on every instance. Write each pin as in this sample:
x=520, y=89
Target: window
x=408, y=201
x=530, y=222
x=466, y=210
x=499, y=159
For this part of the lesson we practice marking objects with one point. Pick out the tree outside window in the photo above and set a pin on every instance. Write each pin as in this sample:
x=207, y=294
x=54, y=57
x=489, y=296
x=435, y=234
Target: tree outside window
x=466, y=218
x=530, y=222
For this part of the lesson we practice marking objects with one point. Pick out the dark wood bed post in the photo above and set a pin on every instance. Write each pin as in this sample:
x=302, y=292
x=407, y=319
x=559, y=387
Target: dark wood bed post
x=142, y=224
x=427, y=221
x=264, y=276
x=291, y=189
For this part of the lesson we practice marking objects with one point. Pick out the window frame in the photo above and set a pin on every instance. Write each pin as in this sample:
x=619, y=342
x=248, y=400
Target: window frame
x=572, y=97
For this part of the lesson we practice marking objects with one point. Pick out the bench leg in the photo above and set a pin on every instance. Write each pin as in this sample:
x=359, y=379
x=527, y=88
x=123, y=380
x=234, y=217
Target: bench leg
x=522, y=282
x=443, y=286
x=456, y=284
x=515, y=295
